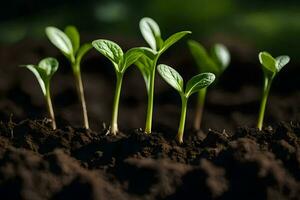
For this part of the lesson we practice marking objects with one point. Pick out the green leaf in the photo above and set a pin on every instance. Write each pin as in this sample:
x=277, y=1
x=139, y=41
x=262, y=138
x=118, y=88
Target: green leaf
x=159, y=43
x=144, y=64
x=151, y=32
x=131, y=56
x=221, y=56
x=148, y=52
x=44, y=71
x=48, y=66
x=267, y=61
x=33, y=69
x=73, y=34
x=281, y=61
x=82, y=51
x=172, y=40
x=109, y=49
x=203, y=60
x=199, y=82
x=171, y=76
x=60, y=40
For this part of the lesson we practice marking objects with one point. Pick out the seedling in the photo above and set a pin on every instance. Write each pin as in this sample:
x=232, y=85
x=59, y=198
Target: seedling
x=68, y=42
x=44, y=72
x=216, y=63
x=147, y=63
x=196, y=83
x=121, y=62
x=271, y=66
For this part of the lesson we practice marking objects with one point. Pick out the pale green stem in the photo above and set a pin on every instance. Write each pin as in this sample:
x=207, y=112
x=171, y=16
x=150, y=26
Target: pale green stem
x=80, y=92
x=148, y=127
x=184, y=100
x=199, y=108
x=114, y=120
x=50, y=107
x=266, y=90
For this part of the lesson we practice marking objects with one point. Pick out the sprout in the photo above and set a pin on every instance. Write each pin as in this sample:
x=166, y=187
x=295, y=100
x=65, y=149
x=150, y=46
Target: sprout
x=216, y=63
x=44, y=72
x=271, y=66
x=196, y=83
x=68, y=43
x=121, y=62
x=147, y=63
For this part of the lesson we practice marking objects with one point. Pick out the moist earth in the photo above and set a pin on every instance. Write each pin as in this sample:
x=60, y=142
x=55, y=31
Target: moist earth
x=39, y=163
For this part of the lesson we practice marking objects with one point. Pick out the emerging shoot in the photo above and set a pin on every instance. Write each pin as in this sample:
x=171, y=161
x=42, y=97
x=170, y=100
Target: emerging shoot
x=147, y=63
x=216, y=62
x=68, y=42
x=196, y=83
x=44, y=72
x=121, y=62
x=271, y=66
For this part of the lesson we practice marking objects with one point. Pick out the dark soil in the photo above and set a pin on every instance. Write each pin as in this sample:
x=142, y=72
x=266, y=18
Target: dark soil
x=38, y=163
x=220, y=162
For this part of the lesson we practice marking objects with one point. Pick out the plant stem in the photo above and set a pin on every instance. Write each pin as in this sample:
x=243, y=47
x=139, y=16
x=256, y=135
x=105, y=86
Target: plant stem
x=50, y=107
x=114, y=120
x=266, y=90
x=199, y=108
x=148, y=127
x=79, y=87
x=182, y=118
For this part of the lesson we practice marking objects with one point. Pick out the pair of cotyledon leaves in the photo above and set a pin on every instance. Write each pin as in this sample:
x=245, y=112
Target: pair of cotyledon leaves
x=44, y=72
x=115, y=54
x=152, y=35
x=216, y=62
x=68, y=42
x=271, y=66
x=196, y=83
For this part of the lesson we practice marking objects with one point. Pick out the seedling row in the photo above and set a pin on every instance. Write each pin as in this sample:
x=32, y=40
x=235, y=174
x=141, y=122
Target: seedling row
x=211, y=64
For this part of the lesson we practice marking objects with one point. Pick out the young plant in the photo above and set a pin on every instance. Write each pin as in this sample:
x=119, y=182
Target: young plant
x=121, y=62
x=216, y=62
x=147, y=63
x=68, y=42
x=44, y=72
x=271, y=66
x=196, y=83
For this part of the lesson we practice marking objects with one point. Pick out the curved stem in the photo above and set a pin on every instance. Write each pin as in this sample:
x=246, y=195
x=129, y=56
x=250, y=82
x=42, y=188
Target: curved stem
x=50, y=107
x=148, y=127
x=114, y=120
x=199, y=108
x=182, y=118
x=79, y=87
x=266, y=90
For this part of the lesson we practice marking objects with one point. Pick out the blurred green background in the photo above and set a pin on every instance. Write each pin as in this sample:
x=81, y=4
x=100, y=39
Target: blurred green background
x=272, y=25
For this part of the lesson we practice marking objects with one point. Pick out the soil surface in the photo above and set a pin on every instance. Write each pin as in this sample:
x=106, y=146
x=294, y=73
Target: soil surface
x=38, y=163
x=226, y=160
